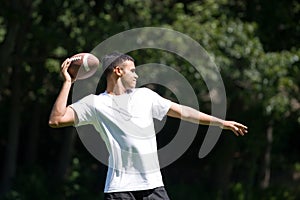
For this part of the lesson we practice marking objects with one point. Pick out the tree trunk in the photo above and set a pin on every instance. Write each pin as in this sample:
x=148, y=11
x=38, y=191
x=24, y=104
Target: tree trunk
x=6, y=50
x=222, y=165
x=18, y=23
x=11, y=51
x=32, y=141
x=9, y=169
x=65, y=155
x=267, y=159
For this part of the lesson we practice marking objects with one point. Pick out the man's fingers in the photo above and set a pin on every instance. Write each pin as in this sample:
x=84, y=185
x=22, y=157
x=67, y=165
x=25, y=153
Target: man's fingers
x=241, y=126
x=235, y=130
x=64, y=70
x=242, y=129
x=66, y=63
x=239, y=130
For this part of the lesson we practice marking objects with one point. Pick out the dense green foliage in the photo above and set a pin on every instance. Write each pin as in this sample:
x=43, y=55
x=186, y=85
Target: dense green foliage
x=255, y=44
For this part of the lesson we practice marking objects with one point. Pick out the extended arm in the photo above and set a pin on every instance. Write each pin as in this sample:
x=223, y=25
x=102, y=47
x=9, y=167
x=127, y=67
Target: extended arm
x=192, y=115
x=62, y=115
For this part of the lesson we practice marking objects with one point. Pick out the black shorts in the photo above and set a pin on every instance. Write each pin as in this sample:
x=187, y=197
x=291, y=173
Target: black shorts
x=153, y=194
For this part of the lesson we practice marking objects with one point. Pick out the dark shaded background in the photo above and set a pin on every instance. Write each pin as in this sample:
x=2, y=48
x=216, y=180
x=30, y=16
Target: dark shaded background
x=254, y=43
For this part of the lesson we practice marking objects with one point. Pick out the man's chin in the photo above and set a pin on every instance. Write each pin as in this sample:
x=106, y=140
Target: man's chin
x=132, y=86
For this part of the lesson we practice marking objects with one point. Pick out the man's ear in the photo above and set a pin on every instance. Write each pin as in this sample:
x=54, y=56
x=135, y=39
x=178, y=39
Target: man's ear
x=118, y=71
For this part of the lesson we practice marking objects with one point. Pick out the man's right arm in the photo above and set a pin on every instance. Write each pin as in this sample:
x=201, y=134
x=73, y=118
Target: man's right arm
x=61, y=114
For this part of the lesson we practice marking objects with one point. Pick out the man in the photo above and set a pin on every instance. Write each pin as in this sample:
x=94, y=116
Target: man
x=123, y=116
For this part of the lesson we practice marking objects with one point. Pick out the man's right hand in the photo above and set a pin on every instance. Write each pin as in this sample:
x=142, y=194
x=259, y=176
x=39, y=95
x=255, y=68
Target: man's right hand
x=64, y=71
x=61, y=114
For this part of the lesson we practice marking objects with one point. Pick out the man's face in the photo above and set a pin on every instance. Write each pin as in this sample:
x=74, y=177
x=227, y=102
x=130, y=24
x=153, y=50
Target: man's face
x=129, y=76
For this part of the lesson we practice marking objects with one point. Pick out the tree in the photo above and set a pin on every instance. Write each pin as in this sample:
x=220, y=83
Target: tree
x=256, y=50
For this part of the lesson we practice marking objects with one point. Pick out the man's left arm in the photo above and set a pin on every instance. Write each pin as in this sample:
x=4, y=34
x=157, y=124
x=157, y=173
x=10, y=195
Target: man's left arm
x=192, y=115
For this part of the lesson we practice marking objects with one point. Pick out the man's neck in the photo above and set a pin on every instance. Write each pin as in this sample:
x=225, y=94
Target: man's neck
x=115, y=88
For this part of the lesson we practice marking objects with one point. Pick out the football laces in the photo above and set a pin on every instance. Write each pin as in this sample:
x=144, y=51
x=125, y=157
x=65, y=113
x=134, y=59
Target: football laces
x=75, y=58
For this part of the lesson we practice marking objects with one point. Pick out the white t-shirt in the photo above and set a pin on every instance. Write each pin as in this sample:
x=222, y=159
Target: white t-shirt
x=125, y=123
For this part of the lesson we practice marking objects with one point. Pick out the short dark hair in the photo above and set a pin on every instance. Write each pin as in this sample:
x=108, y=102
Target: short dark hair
x=110, y=61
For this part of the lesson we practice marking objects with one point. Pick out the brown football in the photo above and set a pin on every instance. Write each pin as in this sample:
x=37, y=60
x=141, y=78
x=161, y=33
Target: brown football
x=83, y=65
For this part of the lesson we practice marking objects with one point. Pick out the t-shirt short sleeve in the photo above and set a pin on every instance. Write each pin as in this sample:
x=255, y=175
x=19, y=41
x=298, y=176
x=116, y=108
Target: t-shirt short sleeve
x=84, y=110
x=160, y=106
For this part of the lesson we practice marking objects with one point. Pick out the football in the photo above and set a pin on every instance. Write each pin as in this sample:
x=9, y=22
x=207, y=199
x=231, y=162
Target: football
x=83, y=65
